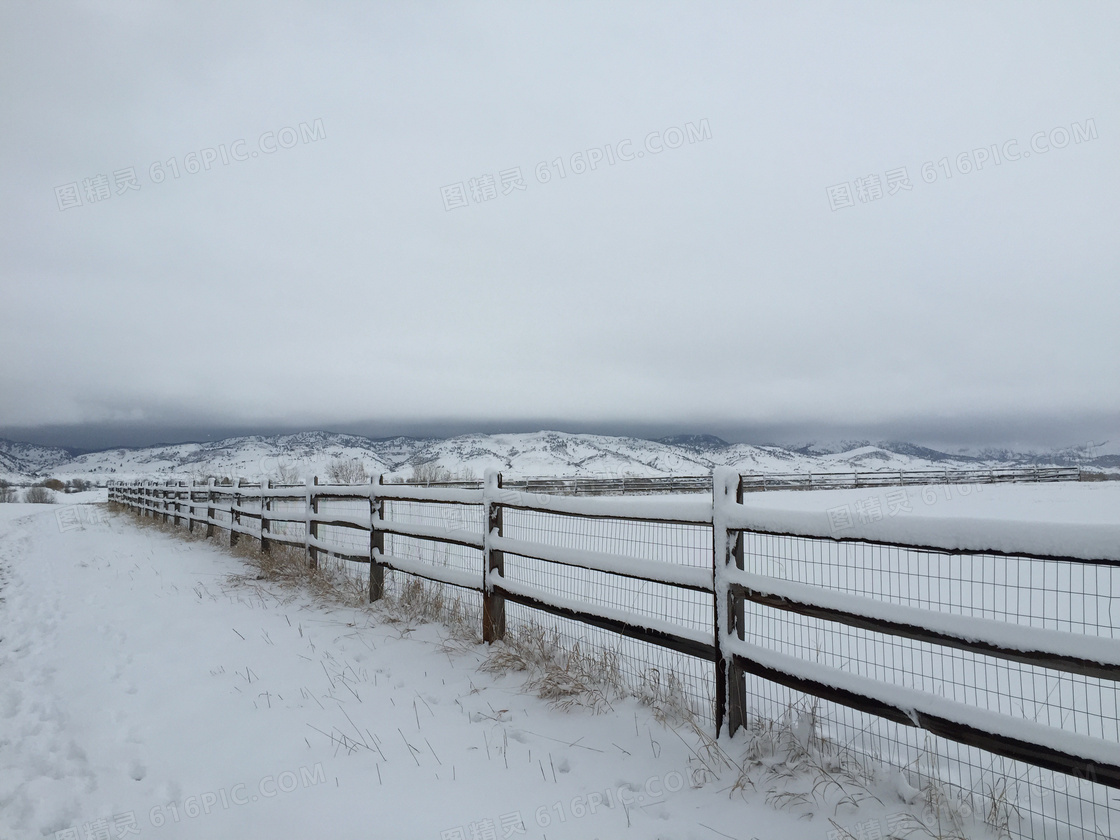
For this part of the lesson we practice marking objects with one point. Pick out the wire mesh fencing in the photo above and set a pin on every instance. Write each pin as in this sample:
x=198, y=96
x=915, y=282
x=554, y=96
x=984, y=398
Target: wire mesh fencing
x=1075, y=597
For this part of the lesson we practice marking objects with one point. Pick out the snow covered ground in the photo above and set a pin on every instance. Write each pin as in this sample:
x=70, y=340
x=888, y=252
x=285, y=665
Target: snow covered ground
x=1058, y=503
x=143, y=693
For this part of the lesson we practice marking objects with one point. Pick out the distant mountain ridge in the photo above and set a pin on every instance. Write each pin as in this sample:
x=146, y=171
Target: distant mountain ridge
x=545, y=453
x=28, y=458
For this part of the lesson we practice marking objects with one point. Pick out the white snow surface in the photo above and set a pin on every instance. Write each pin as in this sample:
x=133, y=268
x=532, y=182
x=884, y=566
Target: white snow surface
x=139, y=686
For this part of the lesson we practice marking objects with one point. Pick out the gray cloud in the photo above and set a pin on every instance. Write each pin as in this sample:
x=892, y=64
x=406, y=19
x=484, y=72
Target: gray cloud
x=712, y=285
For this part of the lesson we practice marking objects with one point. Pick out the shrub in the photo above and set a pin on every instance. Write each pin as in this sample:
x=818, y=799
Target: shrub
x=347, y=471
x=287, y=474
x=52, y=483
x=38, y=495
x=8, y=493
x=429, y=473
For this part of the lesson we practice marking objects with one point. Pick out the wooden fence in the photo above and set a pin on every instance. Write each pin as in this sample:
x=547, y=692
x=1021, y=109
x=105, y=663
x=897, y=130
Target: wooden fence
x=733, y=588
x=897, y=478
x=617, y=485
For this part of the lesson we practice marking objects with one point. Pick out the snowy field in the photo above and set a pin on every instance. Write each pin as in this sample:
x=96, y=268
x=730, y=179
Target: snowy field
x=143, y=694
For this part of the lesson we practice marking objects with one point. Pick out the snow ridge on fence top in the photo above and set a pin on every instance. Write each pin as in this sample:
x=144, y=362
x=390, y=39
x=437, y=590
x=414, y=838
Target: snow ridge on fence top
x=670, y=574
x=1076, y=540
x=1095, y=541
x=1103, y=650
x=687, y=509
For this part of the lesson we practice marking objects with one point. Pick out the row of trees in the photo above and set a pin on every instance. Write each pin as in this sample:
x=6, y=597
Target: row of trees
x=40, y=493
x=353, y=471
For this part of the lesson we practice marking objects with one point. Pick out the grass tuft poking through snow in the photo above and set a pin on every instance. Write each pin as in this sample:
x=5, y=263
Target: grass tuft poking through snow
x=566, y=676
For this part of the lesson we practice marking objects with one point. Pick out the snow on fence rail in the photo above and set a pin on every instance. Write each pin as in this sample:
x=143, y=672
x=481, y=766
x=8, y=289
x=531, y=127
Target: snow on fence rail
x=994, y=639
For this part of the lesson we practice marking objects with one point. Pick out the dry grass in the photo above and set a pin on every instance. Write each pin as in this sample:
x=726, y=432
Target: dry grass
x=796, y=767
x=416, y=601
x=285, y=565
x=566, y=676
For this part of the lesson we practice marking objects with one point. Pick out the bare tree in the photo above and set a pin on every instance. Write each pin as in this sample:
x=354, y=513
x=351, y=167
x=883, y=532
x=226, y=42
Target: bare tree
x=8, y=493
x=38, y=495
x=347, y=471
x=429, y=473
x=287, y=474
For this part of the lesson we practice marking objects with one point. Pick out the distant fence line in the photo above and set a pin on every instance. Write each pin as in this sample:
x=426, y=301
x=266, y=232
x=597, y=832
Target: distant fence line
x=747, y=599
x=754, y=481
x=895, y=478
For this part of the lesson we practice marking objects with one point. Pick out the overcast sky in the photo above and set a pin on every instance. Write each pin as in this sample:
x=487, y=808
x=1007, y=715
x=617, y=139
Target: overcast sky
x=323, y=225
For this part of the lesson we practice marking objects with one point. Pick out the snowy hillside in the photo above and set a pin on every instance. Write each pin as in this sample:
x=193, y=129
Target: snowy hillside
x=27, y=458
x=1102, y=455
x=545, y=453
x=308, y=453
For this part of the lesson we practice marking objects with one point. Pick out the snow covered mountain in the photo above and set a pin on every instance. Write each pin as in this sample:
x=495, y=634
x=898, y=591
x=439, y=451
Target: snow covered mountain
x=545, y=453
x=18, y=459
x=304, y=453
x=1103, y=455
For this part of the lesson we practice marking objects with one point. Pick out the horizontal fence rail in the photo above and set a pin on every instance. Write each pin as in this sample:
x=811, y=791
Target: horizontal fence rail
x=1009, y=659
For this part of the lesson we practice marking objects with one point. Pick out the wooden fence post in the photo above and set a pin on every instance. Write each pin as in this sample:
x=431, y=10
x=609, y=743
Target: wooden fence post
x=266, y=485
x=376, y=541
x=211, y=514
x=727, y=545
x=190, y=506
x=234, y=516
x=312, y=525
x=493, y=604
x=736, y=693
